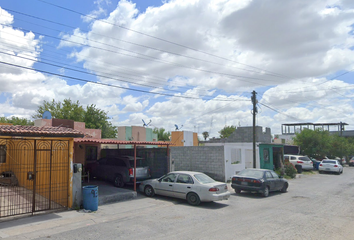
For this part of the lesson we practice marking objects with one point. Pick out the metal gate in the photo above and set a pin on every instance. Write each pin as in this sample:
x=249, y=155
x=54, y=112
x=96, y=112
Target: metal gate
x=34, y=175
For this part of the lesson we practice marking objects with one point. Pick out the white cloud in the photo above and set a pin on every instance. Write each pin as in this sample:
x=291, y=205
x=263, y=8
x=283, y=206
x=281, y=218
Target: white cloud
x=282, y=49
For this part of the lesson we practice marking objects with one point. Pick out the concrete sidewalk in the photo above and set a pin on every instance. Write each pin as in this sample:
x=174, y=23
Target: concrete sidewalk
x=47, y=224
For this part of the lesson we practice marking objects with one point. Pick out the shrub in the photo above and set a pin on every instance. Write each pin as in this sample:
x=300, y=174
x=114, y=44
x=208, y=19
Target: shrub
x=290, y=170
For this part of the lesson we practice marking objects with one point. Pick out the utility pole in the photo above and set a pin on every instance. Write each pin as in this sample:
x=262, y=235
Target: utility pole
x=254, y=112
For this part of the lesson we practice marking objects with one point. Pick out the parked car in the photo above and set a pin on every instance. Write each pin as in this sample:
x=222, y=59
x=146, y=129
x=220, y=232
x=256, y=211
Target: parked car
x=304, y=161
x=119, y=170
x=262, y=181
x=330, y=165
x=351, y=162
x=195, y=187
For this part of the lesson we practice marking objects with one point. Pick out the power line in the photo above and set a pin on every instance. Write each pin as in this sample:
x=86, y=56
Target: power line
x=150, y=58
x=157, y=38
x=132, y=43
x=104, y=84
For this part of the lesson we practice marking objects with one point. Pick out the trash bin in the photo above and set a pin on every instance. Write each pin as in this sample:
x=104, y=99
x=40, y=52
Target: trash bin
x=298, y=168
x=90, y=197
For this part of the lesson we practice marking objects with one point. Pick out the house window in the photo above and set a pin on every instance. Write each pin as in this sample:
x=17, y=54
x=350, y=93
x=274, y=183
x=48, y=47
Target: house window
x=266, y=155
x=2, y=153
x=236, y=156
x=91, y=153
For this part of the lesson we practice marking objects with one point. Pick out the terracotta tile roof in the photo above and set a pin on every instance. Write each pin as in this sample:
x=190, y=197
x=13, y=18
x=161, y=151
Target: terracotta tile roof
x=46, y=131
x=112, y=141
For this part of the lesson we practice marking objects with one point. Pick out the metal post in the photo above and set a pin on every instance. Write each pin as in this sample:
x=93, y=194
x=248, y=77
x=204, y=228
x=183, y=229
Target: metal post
x=254, y=102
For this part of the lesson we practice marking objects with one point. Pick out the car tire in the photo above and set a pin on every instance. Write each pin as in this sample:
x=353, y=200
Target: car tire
x=118, y=181
x=285, y=188
x=193, y=199
x=149, y=191
x=238, y=191
x=265, y=192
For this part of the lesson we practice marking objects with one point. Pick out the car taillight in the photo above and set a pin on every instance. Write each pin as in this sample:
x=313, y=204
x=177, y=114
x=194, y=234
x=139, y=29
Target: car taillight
x=335, y=166
x=256, y=181
x=213, y=189
x=233, y=179
x=131, y=171
x=321, y=164
x=300, y=162
x=225, y=187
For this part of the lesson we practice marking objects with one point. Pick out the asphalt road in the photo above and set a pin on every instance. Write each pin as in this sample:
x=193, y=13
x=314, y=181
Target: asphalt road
x=316, y=206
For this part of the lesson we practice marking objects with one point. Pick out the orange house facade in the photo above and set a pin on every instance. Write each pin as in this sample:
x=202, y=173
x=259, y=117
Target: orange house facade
x=35, y=168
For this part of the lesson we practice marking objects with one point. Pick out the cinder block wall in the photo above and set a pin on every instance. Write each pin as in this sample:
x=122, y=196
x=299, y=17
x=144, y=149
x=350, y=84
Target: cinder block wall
x=245, y=134
x=209, y=160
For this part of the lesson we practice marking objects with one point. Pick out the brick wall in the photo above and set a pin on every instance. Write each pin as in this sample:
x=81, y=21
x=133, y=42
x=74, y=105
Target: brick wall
x=209, y=160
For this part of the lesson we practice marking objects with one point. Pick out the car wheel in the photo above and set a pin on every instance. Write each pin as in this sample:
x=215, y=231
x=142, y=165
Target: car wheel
x=285, y=188
x=238, y=191
x=193, y=199
x=118, y=181
x=265, y=192
x=149, y=191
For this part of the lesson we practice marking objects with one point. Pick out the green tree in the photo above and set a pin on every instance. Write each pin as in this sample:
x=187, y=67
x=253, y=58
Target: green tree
x=161, y=134
x=93, y=117
x=97, y=119
x=205, y=135
x=227, y=131
x=66, y=110
x=314, y=143
x=17, y=121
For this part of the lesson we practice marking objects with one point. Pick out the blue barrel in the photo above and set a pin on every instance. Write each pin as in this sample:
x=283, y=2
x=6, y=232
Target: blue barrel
x=90, y=197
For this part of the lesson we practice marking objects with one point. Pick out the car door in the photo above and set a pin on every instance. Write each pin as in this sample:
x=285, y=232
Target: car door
x=165, y=185
x=183, y=185
x=278, y=182
x=270, y=180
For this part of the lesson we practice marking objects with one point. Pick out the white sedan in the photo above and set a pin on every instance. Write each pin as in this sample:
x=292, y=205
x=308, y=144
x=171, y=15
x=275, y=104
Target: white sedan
x=330, y=165
x=195, y=187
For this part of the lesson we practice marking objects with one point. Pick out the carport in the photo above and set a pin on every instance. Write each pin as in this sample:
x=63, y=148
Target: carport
x=80, y=155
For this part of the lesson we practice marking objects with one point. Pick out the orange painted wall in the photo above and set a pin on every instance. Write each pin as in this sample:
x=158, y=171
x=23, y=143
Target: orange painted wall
x=176, y=138
x=20, y=157
x=195, y=139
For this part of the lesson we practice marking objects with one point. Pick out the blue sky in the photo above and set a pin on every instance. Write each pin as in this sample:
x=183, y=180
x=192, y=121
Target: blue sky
x=187, y=62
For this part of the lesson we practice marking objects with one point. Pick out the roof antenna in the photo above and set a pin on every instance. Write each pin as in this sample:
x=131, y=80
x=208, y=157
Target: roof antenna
x=146, y=125
x=177, y=128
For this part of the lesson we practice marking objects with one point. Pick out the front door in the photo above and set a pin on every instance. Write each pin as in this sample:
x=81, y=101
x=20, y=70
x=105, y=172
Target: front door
x=165, y=186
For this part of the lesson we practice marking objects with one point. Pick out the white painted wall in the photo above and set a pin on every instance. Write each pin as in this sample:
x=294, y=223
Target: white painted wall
x=238, y=156
x=188, y=138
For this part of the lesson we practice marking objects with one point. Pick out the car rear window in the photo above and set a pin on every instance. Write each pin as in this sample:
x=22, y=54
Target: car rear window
x=305, y=158
x=202, y=178
x=329, y=161
x=139, y=163
x=251, y=173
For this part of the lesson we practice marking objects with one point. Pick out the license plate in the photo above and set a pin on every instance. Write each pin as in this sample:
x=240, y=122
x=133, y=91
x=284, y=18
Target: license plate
x=327, y=169
x=243, y=183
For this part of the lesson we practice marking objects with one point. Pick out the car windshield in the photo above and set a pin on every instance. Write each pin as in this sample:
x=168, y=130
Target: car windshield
x=139, y=163
x=329, y=161
x=202, y=178
x=305, y=158
x=251, y=173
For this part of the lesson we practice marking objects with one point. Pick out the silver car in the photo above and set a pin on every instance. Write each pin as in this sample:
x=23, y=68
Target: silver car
x=330, y=165
x=195, y=187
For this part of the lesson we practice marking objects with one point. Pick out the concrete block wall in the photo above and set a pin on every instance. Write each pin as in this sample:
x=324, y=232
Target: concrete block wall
x=209, y=160
x=245, y=134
